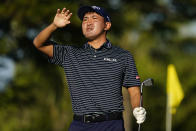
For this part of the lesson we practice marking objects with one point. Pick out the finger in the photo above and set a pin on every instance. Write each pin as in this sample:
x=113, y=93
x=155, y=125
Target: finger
x=67, y=12
x=138, y=116
x=58, y=11
x=68, y=22
x=63, y=10
x=141, y=112
x=140, y=122
x=137, y=111
x=141, y=108
x=141, y=118
x=69, y=16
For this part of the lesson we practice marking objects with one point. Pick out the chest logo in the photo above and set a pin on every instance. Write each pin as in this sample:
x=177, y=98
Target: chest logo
x=110, y=59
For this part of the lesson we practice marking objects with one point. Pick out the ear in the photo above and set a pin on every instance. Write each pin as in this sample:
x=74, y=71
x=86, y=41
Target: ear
x=107, y=26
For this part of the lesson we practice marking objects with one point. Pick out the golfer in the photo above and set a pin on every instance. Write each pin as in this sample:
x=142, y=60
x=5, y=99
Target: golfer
x=95, y=72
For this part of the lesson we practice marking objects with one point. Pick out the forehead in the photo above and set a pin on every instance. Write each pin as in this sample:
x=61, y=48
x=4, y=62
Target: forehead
x=88, y=14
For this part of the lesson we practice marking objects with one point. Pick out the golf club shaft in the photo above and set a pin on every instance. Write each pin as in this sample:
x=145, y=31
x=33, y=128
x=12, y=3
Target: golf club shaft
x=139, y=127
x=148, y=82
x=141, y=100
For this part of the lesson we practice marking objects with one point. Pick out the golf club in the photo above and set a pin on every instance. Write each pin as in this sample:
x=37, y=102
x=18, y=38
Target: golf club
x=148, y=82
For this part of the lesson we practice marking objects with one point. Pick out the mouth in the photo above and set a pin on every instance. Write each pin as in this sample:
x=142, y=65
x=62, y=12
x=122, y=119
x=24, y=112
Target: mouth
x=88, y=29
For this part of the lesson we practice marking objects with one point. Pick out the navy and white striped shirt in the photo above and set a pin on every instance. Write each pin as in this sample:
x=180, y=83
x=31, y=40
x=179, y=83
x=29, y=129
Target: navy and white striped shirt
x=96, y=76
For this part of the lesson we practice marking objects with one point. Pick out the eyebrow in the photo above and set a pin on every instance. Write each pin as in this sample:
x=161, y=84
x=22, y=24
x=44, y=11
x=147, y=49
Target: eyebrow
x=94, y=16
x=91, y=16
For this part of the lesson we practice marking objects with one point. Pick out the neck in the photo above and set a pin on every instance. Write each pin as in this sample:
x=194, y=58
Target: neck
x=97, y=43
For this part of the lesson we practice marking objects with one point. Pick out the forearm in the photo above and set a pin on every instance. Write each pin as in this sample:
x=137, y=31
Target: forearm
x=44, y=35
x=138, y=112
x=134, y=93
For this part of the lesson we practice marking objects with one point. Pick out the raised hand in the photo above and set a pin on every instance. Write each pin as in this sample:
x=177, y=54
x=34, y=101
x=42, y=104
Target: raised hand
x=62, y=18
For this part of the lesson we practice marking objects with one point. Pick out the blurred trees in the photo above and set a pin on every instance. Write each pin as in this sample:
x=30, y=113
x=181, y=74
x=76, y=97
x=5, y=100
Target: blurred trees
x=156, y=32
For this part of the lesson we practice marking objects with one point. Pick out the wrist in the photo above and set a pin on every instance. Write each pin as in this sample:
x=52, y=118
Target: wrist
x=54, y=26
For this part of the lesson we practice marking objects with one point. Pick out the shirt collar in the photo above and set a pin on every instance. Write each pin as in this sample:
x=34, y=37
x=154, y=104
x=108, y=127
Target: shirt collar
x=106, y=45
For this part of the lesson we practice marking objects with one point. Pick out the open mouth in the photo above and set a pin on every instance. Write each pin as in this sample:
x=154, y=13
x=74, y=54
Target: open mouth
x=89, y=29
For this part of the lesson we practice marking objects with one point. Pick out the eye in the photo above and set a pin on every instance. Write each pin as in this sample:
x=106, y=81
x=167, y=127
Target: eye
x=84, y=19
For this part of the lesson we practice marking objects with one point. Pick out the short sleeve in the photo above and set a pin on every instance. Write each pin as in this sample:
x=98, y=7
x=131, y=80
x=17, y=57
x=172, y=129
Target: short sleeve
x=59, y=53
x=131, y=77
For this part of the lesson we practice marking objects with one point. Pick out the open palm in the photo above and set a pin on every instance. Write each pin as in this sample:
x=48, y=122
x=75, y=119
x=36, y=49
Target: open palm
x=62, y=18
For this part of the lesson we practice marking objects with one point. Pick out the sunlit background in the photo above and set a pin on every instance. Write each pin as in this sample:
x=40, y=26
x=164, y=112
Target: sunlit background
x=34, y=93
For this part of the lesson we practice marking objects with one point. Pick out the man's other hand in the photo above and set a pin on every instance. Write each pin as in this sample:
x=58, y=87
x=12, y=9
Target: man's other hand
x=140, y=114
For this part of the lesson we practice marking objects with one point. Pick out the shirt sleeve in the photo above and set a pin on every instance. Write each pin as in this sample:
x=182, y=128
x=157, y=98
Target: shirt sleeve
x=59, y=54
x=131, y=77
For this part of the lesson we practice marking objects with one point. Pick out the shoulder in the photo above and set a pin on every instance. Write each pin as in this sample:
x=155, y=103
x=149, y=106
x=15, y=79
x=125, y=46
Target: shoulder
x=121, y=51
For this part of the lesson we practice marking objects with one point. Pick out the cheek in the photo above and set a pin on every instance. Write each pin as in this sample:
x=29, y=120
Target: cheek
x=99, y=27
x=83, y=27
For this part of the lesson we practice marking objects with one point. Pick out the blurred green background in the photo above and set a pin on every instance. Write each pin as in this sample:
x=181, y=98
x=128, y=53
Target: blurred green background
x=34, y=93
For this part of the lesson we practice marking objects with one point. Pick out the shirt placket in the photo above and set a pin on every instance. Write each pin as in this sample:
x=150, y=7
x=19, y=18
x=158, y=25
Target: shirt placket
x=95, y=53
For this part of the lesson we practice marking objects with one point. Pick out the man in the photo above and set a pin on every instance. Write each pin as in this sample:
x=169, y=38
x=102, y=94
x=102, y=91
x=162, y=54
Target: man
x=95, y=72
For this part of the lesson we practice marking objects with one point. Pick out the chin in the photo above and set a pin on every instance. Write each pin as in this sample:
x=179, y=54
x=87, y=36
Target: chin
x=90, y=37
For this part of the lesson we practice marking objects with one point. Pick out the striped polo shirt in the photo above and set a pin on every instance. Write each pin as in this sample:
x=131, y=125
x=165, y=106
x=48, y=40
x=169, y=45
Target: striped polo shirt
x=95, y=76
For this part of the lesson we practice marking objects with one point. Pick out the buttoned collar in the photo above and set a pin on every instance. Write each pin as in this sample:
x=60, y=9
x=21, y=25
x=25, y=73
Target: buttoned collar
x=106, y=45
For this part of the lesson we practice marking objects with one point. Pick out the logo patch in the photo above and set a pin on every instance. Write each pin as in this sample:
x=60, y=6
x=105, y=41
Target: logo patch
x=137, y=77
x=95, y=7
x=110, y=59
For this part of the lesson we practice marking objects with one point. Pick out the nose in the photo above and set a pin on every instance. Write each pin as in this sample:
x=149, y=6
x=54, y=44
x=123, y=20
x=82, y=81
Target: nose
x=89, y=21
